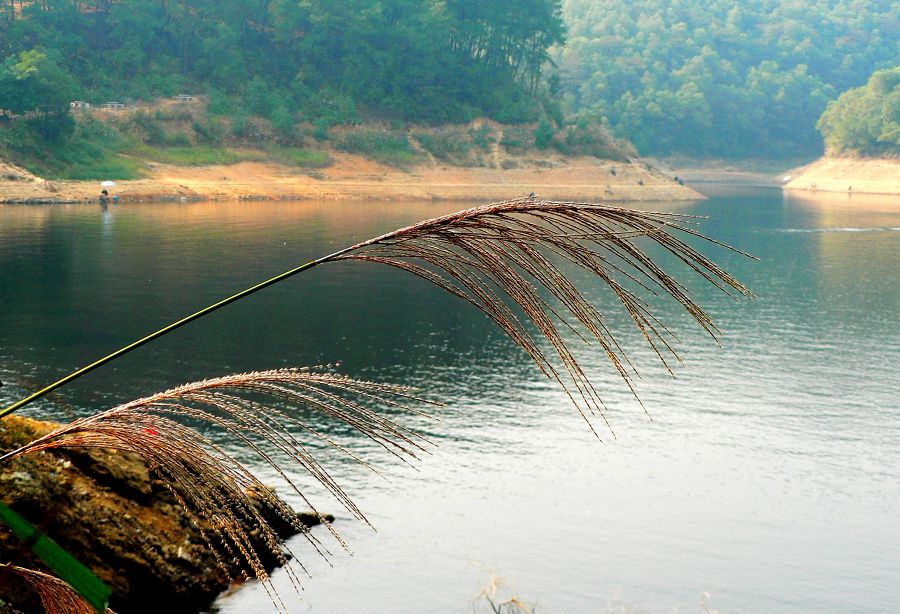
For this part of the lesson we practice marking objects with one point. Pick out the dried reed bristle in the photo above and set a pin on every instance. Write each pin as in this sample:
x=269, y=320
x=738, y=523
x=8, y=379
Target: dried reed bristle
x=511, y=253
x=56, y=596
x=495, y=257
x=211, y=484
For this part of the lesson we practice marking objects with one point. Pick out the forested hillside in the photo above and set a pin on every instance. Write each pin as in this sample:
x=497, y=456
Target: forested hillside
x=865, y=120
x=288, y=60
x=722, y=78
x=708, y=79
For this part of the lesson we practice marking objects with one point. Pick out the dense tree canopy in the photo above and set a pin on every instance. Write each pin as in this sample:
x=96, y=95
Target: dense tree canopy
x=423, y=60
x=722, y=78
x=33, y=84
x=865, y=120
x=715, y=78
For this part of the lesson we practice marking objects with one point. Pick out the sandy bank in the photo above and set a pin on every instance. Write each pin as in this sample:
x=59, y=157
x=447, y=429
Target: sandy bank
x=695, y=171
x=354, y=177
x=847, y=175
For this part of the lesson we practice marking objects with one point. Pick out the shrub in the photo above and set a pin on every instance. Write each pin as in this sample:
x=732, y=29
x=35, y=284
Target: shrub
x=239, y=126
x=320, y=133
x=149, y=127
x=452, y=145
x=591, y=139
x=221, y=103
x=251, y=130
x=543, y=136
x=483, y=137
x=330, y=108
x=305, y=158
x=517, y=139
x=209, y=131
x=283, y=123
x=382, y=145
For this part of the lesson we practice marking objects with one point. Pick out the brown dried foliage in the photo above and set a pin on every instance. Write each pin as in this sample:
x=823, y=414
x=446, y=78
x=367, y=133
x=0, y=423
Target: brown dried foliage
x=56, y=596
x=512, y=260
x=216, y=489
x=521, y=252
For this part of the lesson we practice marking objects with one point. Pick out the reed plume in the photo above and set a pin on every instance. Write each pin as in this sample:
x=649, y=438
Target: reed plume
x=521, y=252
x=510, y=249
x=513, y=260
x=55, y=595
x=216, y=490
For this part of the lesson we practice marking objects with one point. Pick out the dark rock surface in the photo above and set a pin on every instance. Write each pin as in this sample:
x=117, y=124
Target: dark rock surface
x=106, y=508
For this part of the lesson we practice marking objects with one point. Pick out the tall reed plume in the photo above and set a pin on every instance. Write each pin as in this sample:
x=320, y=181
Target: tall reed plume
x=513, y=260
x=216, y=490
x=516, y=253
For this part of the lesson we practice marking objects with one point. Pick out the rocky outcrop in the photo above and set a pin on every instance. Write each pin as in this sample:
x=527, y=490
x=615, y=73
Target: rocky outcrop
x=108, y=510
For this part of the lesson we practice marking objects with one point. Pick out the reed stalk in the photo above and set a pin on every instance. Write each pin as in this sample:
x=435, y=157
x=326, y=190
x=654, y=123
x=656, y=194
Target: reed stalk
x=512, y=260
x=506, y=246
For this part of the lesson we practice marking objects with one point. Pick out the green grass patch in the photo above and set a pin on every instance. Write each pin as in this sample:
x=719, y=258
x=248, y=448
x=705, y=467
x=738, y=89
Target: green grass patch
x=106, y=166
x=198, y=155
x=304, y=158
x=73, y=165
x=385, y=146
x=90, y=153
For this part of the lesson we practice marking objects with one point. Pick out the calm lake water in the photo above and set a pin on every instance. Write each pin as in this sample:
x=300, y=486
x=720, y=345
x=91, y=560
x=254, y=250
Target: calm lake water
x=769, y=477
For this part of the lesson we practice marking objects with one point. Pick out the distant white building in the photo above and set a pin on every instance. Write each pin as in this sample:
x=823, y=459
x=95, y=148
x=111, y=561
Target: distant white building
x=112, y=106
x=79, y=104
x=184, y=98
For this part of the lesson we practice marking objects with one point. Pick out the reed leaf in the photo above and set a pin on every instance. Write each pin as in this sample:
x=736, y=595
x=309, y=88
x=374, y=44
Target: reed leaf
x=216, y=490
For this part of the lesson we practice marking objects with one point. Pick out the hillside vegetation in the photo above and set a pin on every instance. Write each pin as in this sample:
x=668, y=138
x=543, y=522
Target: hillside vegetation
x=712, y=79
x=720, y=78
x=124, y=144
x=315, y=60
x=865, y=121
x=397, y=80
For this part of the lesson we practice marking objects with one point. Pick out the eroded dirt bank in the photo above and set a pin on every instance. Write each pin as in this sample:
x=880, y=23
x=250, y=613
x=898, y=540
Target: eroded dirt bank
x=354, y=177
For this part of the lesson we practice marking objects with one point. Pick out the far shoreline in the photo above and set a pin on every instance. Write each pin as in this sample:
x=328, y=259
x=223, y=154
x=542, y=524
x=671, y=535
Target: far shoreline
x=357, y=178
x=871, y=176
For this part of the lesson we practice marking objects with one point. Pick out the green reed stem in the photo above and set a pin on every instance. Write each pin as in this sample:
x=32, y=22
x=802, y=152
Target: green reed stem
x=165, y=330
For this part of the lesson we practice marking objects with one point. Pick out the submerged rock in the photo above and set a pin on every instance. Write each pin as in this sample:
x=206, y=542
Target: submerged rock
x=106, y=508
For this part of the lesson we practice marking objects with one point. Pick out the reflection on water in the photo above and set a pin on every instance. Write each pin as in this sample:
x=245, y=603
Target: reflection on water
x=768, y=476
